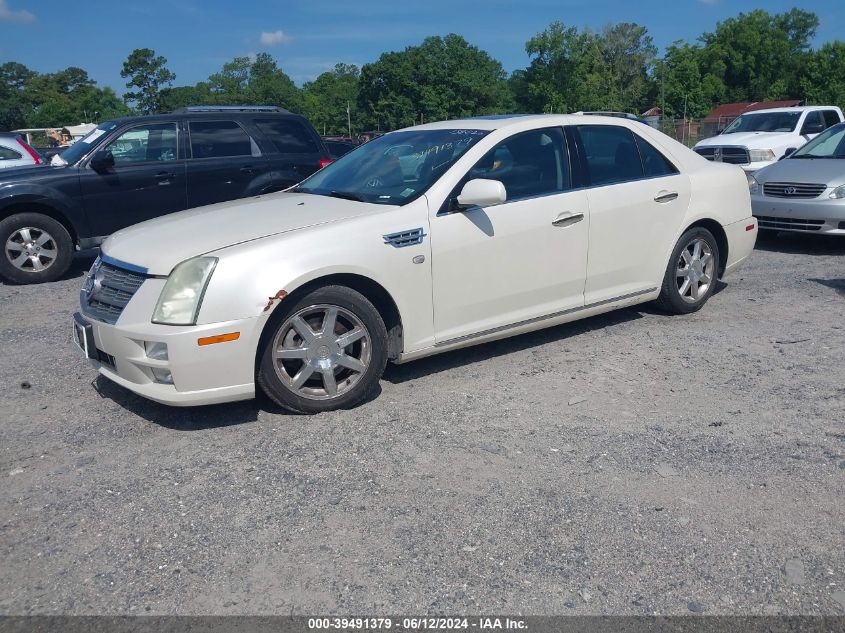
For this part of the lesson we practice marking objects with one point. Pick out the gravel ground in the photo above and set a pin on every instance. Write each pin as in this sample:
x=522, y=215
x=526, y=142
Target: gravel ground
x=630, y=463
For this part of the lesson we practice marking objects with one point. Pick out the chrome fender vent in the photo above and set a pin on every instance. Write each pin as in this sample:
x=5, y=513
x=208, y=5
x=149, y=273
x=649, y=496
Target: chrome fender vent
x=401, y=239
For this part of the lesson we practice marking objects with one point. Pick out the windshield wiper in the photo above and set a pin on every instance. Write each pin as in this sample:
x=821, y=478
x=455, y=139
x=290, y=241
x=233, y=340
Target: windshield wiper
x=347, y=195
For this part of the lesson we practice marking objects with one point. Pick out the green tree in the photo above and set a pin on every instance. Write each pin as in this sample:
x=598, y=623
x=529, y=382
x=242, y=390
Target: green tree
x=15, y=104
x=443, y=78
x=824, y=79
x=147, y=74
x=259, y=81
x=326, y=98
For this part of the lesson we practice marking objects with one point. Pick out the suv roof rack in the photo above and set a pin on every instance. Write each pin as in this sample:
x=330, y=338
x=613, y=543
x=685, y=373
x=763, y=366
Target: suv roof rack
x=229, y=108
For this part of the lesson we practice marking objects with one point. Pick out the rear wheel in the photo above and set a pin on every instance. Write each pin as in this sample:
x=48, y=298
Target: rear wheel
x=691, y=274
x=327, y=351
x=36, y=248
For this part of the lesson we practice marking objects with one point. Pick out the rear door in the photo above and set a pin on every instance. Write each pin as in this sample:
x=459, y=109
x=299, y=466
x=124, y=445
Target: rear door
x=146, y=181
x=297, y=150
x=225, y=162
x=637, y=201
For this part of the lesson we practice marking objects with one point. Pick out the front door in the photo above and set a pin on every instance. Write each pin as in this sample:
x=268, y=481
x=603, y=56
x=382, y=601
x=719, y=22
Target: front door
x=525, y=259
x=147, y=179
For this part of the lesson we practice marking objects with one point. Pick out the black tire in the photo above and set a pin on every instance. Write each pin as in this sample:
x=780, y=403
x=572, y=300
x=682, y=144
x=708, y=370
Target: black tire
x=671, y=299
x=271, y=370
x=42, y=227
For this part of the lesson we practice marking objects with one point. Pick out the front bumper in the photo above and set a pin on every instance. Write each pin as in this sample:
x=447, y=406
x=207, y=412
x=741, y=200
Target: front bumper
x=820, y=215
x=200, y=374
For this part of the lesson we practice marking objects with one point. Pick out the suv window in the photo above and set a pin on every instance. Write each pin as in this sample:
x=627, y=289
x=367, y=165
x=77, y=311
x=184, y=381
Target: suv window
x=529, y=164
x=654, y=163
x=145, y=144
x=8, y=154
x=611, y=154
x=288, y=136
x=831, y=117
x=216, y=139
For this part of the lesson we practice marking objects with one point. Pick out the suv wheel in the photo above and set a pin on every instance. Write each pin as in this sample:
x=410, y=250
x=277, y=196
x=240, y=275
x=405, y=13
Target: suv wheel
x=327, y=351
x=691, y=274
x=36, y=248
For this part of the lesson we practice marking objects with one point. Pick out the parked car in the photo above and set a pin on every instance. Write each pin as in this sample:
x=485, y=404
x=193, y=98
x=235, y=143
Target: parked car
x=757, y=139
x=337, y=148
x=805, y=191
x=133, y=169
x=308, y=293
x=14, y=152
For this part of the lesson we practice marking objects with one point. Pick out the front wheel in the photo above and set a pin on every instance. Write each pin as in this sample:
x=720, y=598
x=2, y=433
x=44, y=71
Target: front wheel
x=691, y=274
x=36, y=248
x=327, y=351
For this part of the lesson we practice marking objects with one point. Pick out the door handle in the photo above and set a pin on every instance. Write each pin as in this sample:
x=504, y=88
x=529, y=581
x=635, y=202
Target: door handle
x=567, y=219
x=666, y=196
x=247, y=169
x=164, y=177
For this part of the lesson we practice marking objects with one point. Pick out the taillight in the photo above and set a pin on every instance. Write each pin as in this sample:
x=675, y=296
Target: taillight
x=323, y=162
x=30, y=151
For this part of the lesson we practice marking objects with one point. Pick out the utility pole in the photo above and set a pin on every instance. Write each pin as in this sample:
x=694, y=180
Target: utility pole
x=349, y=120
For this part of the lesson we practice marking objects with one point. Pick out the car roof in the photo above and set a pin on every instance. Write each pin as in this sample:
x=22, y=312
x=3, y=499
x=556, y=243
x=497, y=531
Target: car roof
x=502, y=121
x=790, y=109
x=215, y=115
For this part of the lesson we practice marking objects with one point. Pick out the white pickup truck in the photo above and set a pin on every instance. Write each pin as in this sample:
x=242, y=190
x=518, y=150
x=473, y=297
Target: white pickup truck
x=757, y=139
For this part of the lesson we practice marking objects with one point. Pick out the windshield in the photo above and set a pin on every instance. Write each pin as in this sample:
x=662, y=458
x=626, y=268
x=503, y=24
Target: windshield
x=764, y=122
x=828, y=144
x=393, y=169
x=81, y=147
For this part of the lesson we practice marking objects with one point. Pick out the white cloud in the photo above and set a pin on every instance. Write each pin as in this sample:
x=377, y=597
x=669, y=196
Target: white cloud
x=709, y=2
x=8, y=15
x=273, y=38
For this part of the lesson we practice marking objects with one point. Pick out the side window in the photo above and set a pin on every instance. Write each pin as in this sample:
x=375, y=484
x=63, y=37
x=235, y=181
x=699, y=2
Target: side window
x=831, y=117
x=529, y=164
x=654, y=163
x=814, y=123
x=217, y=139
x=288, y=136
x=8, y=154
x=611, y=154
x=145, y=144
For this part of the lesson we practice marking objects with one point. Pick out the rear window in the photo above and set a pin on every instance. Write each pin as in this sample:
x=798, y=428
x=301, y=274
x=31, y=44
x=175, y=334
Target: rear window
x=288, y=136
x=655, y=163
x=216, y=139
x=8, y=154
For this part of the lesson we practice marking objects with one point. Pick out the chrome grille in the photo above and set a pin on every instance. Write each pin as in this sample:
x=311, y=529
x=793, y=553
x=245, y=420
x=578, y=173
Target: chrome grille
x=793, y=189
x=787, y=224
x=405, y=238
x=719, y=154
x=107, y=291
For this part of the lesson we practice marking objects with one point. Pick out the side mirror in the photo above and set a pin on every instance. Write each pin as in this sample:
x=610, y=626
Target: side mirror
x=482, y=192
x=789, y=151
x=102, y=161
x=812, y=128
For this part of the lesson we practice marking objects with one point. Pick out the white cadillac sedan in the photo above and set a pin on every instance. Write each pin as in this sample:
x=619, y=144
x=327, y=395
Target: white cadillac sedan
x=422, y=241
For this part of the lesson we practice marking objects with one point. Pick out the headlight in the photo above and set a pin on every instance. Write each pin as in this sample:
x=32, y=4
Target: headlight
x=838, y=193
x=181, y=298
x=753, y=185
x=758, y=155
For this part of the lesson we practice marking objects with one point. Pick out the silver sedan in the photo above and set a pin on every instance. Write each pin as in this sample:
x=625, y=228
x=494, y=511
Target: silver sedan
x=804, y=191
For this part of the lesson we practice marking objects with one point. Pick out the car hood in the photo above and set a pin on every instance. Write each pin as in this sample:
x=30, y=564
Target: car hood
x=27, y=172
x=754, y=140
x=158, y=245
x=828, y=171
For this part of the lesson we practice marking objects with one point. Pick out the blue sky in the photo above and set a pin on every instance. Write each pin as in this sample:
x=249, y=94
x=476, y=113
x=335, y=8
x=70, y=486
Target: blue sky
x=308, y=37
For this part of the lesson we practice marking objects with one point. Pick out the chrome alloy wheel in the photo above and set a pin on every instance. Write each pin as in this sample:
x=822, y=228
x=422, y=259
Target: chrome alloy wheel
x=321, y=352
x=696, y=270
x=31, y=250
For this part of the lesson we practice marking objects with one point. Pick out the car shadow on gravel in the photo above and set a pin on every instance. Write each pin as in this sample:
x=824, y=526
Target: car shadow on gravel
x=180, y=418
x=837, y=284
x=397, y=374
x=801, y=243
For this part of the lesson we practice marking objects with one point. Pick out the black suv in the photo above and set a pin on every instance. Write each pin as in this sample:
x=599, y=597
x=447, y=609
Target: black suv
x=137, y=168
